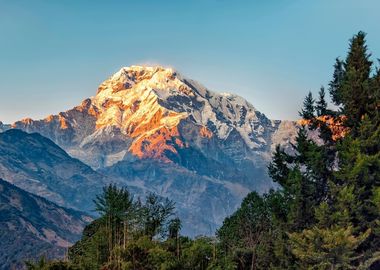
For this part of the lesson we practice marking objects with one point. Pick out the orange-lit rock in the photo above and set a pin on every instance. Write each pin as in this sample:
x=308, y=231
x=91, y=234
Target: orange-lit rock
x=87, y=107
x=155, y=144
x=27, y=121
x=205, y=132
x=334, y=123
x=63, y=122
x=49, y=118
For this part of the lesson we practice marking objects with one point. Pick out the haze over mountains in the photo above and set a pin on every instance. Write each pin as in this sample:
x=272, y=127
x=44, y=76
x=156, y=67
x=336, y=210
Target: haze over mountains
x=153, y=130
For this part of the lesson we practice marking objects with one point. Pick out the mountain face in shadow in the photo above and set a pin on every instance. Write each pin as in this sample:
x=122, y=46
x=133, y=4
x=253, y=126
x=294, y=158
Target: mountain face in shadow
x=31, y=226
x=37, y=165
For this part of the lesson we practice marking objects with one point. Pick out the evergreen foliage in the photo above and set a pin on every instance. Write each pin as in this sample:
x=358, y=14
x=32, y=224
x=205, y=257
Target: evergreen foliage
x=321, y=104
x=330, y=188
x=308, y=109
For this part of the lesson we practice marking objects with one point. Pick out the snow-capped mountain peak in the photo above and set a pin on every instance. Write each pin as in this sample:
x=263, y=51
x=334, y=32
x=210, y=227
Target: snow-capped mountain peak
x=156, y=130
x=150, y=109
x=156, y=77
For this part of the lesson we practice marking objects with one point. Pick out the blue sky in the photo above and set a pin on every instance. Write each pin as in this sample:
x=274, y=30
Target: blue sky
x=53, y=54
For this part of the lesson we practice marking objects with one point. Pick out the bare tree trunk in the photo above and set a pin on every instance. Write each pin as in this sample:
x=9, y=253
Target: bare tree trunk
x=125, y=235
x=109, y=239
x=214, y=250
x=253, y=261
x=177, y=242
x=133, y=259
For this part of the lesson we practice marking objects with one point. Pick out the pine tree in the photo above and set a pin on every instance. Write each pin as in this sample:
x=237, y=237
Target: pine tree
x=359, y=151
x=336, y=82
x=360, y=167
x=278, y=169
x=355, y=87
x=321, y=104
x=308, y=109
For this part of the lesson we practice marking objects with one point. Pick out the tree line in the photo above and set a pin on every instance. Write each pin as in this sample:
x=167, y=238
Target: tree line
x=324, y=215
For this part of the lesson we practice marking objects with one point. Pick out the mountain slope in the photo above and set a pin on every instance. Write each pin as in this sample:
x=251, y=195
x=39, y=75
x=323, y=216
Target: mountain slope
x=35, y=164
x=154, y=130
x=31, y=226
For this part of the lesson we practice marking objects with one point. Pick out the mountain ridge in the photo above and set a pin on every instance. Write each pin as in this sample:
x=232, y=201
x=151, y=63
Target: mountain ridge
x=153, y=126
x=134, y=103
x=37, y=165
x=32, y=226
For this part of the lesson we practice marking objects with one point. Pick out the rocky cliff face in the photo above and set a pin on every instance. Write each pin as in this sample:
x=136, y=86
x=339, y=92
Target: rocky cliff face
x=154, y=130
x=31, y=226
x=4, y=127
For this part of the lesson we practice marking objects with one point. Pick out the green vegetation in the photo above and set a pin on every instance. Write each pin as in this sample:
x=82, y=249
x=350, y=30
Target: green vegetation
x=133, y=235
x=325, y=215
